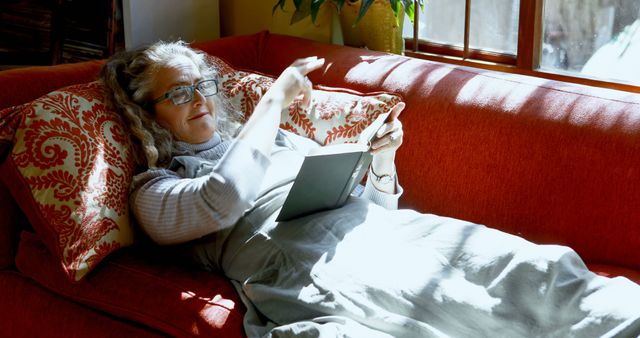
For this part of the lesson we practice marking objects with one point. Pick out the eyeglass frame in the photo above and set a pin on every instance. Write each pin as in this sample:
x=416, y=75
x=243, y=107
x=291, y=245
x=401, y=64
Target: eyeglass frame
x=192, y=89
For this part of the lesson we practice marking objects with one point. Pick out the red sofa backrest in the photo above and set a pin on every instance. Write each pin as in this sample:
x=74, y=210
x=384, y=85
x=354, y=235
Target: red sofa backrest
x=25, y=84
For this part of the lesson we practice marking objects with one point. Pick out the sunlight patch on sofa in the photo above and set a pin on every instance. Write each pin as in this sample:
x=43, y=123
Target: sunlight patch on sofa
x=373, y=69
x=508, y=97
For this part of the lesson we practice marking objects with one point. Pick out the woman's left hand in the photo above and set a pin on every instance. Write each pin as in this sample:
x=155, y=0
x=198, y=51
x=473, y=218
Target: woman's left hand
x=384, y=146
x=389, y=137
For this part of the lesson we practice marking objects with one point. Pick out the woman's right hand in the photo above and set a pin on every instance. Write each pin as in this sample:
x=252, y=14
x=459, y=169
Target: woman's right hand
x=261, y=128
x=294, y=81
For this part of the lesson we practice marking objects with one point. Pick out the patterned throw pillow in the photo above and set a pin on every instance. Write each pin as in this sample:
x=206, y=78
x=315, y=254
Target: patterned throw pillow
x=70, y=169
x=335, y=115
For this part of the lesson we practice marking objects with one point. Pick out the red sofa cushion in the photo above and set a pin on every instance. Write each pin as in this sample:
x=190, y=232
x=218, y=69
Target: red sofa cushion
x=173, y=299
x=36, y=312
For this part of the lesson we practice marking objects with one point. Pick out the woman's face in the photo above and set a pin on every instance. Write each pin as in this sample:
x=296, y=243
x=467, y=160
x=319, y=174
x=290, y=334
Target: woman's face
x=192, y=122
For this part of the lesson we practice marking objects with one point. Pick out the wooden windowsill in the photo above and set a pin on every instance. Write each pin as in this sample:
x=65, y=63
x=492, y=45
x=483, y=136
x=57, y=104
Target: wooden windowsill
x=514, y=70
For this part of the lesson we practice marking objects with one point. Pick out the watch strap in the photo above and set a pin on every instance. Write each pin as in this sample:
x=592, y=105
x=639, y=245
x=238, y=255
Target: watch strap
x=383, y=179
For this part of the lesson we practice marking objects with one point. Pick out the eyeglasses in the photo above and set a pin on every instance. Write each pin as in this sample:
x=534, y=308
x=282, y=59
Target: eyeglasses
x=184, y=94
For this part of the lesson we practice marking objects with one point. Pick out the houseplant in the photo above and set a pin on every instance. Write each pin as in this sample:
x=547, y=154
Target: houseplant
x=380, y=29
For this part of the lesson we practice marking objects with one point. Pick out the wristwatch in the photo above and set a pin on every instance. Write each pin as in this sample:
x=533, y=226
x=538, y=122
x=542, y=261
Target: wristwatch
x=382, y=179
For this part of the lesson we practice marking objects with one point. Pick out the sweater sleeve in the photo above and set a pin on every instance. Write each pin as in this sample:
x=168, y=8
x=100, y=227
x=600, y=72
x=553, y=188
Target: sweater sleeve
x=388, y=201
x=172, y=209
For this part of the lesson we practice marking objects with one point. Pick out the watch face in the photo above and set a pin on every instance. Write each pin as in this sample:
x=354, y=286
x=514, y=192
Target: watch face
x=384, y=179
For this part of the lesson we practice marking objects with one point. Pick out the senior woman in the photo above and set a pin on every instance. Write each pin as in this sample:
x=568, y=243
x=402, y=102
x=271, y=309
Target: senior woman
x=216, y=184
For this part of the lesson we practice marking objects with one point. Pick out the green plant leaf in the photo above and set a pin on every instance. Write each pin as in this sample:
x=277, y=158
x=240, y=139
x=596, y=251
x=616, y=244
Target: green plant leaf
x=280, y=4
x=395, y=7
x=315, y=7
x=364, y=7
x=409, y=9
x=303, y=10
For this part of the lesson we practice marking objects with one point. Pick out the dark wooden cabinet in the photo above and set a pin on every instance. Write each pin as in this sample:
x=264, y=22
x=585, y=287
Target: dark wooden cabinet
x=27, y=31
x=44, y=32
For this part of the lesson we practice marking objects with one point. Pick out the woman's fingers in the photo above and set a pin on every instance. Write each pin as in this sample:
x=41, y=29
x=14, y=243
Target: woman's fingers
x=307, y=89
x=396, y=110
x=307, y=65
x=389, y=123
x=390, y=138
x=304, y=60
x=299, y=69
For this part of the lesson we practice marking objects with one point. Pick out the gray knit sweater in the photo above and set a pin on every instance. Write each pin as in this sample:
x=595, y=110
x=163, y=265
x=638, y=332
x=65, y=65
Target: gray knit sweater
x=211, y=188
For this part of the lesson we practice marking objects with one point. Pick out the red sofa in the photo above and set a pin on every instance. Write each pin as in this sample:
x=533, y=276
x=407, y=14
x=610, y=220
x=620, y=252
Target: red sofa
x=550, y=161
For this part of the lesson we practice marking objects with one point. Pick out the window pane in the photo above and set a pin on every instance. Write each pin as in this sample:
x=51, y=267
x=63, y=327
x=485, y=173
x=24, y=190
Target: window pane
x=594, y=38
x=442, y=21
x=494, y=25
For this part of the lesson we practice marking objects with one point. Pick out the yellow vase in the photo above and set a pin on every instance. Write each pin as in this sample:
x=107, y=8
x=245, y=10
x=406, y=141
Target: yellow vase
x=377, y=30
x=350, y=32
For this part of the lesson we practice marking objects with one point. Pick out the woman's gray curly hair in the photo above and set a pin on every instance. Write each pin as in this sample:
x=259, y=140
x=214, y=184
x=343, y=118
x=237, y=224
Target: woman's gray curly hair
x=128, y=78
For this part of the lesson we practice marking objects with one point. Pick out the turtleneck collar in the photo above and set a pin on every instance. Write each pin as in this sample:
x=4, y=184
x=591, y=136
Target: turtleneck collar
x=199, y=147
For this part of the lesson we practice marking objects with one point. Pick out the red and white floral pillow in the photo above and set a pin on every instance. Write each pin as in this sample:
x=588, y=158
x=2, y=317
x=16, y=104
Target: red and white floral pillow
x=70, y=169
x=335, y=115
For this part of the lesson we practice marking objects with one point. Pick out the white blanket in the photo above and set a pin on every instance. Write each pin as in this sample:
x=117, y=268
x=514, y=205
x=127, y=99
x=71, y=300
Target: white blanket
x=363, y=271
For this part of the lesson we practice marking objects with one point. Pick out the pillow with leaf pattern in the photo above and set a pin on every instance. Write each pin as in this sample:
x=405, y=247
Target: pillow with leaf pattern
x=70, y=167
x=336, y=115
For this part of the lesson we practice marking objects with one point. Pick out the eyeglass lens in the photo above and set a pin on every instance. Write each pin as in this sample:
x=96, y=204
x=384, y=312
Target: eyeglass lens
x=185, y=94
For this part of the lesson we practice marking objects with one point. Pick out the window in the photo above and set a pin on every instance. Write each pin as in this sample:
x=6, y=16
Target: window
x=604, y=43
x=595, y=42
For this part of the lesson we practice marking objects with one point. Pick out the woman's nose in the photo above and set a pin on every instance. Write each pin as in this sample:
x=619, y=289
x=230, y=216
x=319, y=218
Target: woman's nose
x=198, y=98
